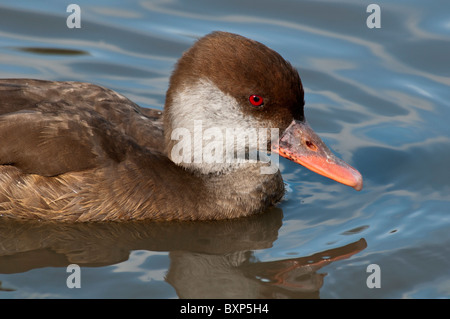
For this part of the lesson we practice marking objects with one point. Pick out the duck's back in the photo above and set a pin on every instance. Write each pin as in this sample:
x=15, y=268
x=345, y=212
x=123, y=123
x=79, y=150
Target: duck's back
x=61, y=101
x=57, y=135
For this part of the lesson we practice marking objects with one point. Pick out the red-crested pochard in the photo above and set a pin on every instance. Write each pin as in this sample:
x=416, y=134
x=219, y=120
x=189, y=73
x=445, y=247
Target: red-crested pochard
x=74, y=151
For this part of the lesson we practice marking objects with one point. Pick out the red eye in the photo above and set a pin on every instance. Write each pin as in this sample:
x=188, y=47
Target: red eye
x=256, y=100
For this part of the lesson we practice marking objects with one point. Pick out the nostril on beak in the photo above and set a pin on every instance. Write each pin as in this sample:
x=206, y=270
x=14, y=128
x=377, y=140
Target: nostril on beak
x=311, y=146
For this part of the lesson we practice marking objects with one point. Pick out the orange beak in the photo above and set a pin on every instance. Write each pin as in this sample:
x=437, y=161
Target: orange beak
x=300, y=144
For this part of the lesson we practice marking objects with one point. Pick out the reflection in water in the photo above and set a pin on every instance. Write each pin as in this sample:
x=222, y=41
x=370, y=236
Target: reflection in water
x=239, y=275
x=208, y=259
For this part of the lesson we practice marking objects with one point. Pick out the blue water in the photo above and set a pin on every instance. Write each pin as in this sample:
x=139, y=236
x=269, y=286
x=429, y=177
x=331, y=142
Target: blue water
x=378, y=97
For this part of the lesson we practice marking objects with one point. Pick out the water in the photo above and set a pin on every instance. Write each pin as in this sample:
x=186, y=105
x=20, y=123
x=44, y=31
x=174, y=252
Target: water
x=378, y=97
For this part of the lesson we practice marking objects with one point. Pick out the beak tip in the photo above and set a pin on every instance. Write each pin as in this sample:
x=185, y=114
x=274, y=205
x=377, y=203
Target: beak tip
x=358, y=185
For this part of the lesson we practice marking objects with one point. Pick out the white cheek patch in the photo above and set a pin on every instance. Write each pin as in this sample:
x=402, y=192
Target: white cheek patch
x=206, y=102
x=214, y=135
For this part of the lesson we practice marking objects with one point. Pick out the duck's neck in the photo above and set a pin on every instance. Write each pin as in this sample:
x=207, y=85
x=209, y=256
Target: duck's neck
x=242, y=191
x=176, y=193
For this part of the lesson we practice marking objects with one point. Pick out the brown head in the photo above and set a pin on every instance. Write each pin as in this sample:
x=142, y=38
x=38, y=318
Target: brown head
x=228, y=82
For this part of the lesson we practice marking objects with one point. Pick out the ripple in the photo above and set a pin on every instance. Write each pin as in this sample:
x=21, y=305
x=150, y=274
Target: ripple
x=52, y=51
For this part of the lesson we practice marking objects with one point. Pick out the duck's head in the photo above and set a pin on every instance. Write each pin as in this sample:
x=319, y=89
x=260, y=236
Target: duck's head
x=225, y=89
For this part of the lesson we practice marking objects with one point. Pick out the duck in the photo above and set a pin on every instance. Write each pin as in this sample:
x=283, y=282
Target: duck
x=79, y=152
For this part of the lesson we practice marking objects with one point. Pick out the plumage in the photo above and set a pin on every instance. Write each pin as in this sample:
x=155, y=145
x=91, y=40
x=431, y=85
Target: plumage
x=72, y=151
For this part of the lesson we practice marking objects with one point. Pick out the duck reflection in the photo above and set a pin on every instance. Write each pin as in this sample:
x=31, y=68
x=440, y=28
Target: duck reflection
x=208, y=259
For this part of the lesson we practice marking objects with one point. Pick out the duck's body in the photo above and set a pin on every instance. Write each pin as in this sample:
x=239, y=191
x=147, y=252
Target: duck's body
x=74, y=151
